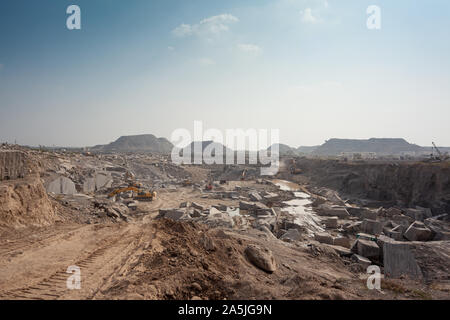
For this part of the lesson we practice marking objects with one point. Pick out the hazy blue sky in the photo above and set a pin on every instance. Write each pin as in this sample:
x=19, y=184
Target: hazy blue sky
x=308, y=67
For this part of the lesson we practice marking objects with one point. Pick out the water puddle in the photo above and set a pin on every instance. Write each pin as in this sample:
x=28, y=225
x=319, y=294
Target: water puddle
x=300, y=207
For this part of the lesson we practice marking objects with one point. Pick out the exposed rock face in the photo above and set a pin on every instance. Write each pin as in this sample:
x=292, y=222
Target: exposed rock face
x=12, y=164
x=420, y=260
x=261, y=257
x=98, y=182
x=423, y=184
x=62, y=185
x=25, y=204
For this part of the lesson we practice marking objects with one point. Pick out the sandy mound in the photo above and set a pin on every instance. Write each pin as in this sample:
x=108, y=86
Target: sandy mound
x=25, y=203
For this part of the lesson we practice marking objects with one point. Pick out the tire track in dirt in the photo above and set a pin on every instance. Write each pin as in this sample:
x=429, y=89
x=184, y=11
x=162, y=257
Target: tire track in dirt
x=54, y=286
x=34, y=240
x=129, y=261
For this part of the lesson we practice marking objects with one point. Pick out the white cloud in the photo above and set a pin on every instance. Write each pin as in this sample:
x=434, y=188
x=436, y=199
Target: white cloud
x=170, y=48
x=206, y=62
x=183, y=30
x=206, y=27
x=308, y=17
x=250, y=48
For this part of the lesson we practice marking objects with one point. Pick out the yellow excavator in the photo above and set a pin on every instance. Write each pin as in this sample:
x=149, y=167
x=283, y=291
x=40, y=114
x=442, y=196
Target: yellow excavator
x=138, y=194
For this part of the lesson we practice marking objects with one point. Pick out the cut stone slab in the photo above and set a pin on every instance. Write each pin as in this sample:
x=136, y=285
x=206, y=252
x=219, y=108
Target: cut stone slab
x=323, y=238
x=372, y=226
x=199, y=206
x=331, y=222
x=62, y=185
x=366, y=236
x=343, y=252
x=353, y=227
x=291, y=235
x=419, y=213
x=417, y=231
x=440, y=229
x=399, y=259
x=393, y=233
x=342, y=242
x=213, y=211
x=332, y=211
x=366, y=248
x=261, y=257
x=221, y=219
x=369, y=214
x=175, y=215
x=255, y=196
x=427, y=260
x=363, y=261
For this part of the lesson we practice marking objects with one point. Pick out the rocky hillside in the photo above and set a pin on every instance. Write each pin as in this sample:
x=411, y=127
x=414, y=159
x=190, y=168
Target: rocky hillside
x=140, y=143
x=386, y=146
x=411, y=184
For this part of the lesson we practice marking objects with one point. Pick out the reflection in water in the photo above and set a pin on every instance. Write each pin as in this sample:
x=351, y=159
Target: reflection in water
x=300, y=207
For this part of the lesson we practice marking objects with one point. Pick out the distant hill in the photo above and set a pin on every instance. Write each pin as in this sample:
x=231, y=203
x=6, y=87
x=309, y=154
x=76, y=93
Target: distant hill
x=211, y=145
x=306, y=150
x=383, y=146
x=139, y=143
x=284, y=149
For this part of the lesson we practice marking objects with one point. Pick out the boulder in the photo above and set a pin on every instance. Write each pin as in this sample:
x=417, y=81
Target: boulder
x=417, y=231
x=261, y=257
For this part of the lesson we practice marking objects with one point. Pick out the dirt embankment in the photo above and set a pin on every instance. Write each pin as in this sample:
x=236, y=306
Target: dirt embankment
x=423, y=184
x=25, y=203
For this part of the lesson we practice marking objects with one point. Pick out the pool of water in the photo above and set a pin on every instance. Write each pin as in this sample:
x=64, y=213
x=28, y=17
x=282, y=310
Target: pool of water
x=300, y=207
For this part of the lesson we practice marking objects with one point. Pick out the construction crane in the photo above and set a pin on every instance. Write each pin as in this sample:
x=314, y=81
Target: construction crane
x=438, y=151
x=440, y=157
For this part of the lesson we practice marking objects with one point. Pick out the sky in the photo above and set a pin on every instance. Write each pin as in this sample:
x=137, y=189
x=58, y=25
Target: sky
x=310, y=68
